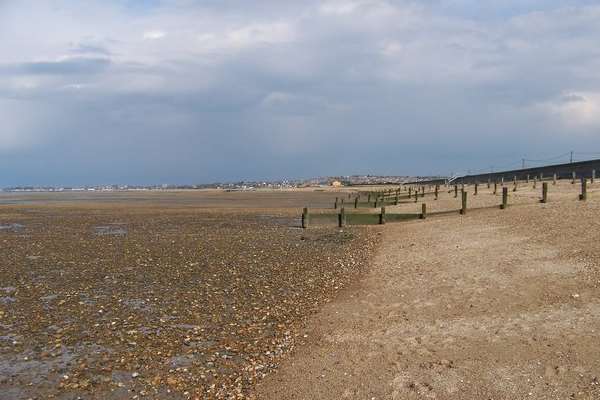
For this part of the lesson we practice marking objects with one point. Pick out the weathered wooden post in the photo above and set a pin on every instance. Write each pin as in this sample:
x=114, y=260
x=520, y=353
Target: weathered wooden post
x=416, y=196
x=504, y=199
x=463, y=209
x=583, y=195
x=422, y=191
x=476, y=186
x=527, y=181
x=515, y=184
x=574, y=177
x=534, y=181
x=335, y=204
x=423, y=211
x=342, y=218
x=554, y=179
x=502, y=181
x=305, y=220
x=342, y=202
x=397, y=200
x=593, y=176
x=409, y=192
x=369, y=198
x=455, y=191
x=541, y=176
x=356, y=202
x=544, y=193
x=375, y=205
x=382, y=216
x=437, y=188
x=495, y=187
x=489, y=182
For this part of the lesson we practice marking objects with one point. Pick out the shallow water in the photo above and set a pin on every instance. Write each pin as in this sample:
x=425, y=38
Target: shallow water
x=11, y=227
x=110, y=230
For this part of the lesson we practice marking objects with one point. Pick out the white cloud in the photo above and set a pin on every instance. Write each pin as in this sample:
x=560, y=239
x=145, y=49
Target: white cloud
x=575, y=110
x=339, y=7
x=258, y=34
x=153, y=35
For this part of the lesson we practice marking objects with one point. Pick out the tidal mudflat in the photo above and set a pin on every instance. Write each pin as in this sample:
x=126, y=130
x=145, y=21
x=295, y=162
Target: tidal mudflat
x=170, y=295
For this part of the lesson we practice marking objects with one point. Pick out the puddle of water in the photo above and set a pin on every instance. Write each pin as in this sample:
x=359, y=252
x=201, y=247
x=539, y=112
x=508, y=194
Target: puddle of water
x=10, y=338
x=147, y=331
x=34, y=370
x=182, y=361
x=11, y=227
x=49, y=297
x=7, y=300
x=137, y=304
x=110, y=230
x=187, y=327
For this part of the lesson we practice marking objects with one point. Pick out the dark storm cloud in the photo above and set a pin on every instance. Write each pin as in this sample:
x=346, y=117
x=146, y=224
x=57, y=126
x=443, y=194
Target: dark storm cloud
x=192, y=91
x=72, y=66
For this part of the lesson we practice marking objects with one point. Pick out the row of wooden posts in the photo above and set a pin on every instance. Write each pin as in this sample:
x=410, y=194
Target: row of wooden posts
x=463, y=210
x=379, y=197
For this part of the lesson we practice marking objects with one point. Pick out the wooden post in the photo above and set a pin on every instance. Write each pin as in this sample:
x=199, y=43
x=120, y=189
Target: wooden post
x=554, y=179
x=527, y=181
x=583, y=195
x=409, y=192
x=416, y=196
x=423, y=211
x=369, y=198
x=463, y=209
x=489, y=182
x=305, y=218
x=375, y=205
x=356, y=202
x=593, y=176
x=382, y=216
x=534, y=181
x=544, y=193
x=422, y=191
x=541, y=176
x=504, y=199
x=437, y=188
x=397, y=199
x=335, y=204
x=455, y=191
x=476, y=185
x=502, y=181
x=342, y=202
x=342, y=218
x=515, y=180
x=515, y=186
x=574, y=177
x=495, y=187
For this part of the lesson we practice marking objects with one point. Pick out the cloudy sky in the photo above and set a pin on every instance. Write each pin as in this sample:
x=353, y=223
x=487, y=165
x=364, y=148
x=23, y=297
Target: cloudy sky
x=189, y=91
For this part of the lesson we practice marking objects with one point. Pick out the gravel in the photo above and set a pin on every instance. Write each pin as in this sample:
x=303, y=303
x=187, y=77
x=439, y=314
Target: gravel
x=167, y=302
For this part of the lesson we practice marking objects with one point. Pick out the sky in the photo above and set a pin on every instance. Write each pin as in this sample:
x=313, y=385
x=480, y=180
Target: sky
x=189, y=91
